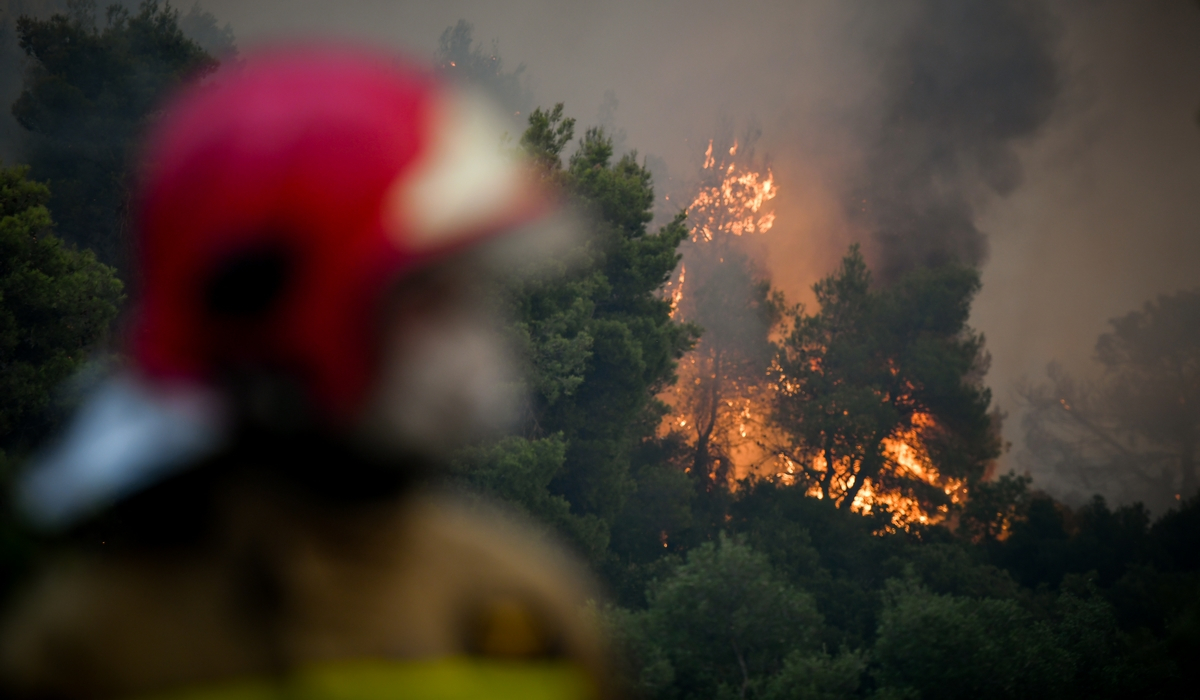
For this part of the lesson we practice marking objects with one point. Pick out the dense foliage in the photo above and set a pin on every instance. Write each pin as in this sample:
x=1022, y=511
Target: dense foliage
x=56, y=305
x=88, y=91
x=599, y=342
x=1092, y=603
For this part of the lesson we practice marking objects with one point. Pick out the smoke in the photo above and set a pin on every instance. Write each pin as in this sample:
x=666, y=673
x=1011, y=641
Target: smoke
x=964, y=84
x=1055, y=144
x=1107, y=216
x=907, y=113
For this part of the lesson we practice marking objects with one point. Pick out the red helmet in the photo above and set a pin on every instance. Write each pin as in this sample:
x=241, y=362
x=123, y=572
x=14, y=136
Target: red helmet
x=279, y=204
x=281, y=201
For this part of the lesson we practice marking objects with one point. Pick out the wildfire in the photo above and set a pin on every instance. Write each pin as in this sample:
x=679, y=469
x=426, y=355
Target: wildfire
x=721, y=407
x=912, y=460
x=677, y=295
x=733, y=204
x=909, y=459
x=719, y=399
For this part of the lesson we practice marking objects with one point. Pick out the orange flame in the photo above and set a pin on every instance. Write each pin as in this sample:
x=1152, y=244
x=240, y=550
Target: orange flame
x=733, y=204
x=909, y=458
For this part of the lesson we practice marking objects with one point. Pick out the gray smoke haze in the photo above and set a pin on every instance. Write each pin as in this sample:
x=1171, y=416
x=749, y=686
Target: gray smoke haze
x=1054, y=143
x=965, y=82
x=1108, y=216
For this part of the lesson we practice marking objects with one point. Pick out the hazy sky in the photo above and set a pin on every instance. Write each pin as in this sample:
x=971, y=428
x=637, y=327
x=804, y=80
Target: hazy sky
x=1057, y=143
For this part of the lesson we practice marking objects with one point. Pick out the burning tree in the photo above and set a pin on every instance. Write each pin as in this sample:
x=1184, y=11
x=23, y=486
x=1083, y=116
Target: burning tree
x=875, y=403
x=722, y=380
x=878, y=402
x=719, y=289
x=731, y=197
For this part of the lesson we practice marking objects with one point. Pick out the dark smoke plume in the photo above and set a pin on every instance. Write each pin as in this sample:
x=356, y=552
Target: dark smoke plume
x=966, y=81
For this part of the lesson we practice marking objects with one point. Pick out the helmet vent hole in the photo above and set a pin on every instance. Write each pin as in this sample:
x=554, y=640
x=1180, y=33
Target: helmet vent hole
x=249, y=284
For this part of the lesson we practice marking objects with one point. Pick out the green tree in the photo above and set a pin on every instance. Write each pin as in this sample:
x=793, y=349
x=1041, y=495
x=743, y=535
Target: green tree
x=88, y=93
x=659, y=520
x=721, y=624
x=634, y=342
x=879, y=364
x=597, y=337
x=817, y=677
x=56, y=304
x=543, y=142
x=518, y=471
x=835, y=555
x=944, y=646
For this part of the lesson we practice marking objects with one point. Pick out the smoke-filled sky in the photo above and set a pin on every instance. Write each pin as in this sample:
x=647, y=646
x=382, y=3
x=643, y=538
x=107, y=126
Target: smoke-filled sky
x=1056, y=144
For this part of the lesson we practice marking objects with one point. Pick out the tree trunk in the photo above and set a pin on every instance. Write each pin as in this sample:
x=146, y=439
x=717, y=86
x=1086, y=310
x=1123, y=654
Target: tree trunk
x=702, y=463
x=827, y=478
x=868, y=468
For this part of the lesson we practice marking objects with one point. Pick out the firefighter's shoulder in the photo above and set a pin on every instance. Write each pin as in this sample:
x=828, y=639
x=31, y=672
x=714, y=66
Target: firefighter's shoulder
x=436, y=585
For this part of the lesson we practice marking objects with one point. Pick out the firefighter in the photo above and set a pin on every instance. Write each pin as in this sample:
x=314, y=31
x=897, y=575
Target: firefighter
x=249, y=500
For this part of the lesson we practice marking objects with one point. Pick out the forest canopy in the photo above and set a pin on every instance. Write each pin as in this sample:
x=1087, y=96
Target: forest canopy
x=769, y=582
x=92, y=83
